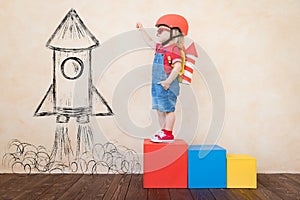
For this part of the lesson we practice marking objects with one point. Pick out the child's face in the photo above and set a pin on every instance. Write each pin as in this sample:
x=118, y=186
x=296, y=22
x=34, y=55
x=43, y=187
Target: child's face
x=163, y=33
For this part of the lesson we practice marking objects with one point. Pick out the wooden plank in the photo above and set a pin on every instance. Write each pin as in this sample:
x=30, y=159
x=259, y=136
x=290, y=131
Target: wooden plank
x=226, y=194
x=202, y=194
x=15, y=186
x=61, y=185
x=136, y=189
x=36, y=189
x=113, y=186
x=179, y=194
x=281, y=185
x=121, y=192
x=265, y=193
x=245, y=193
x=122, y=188
x=5, y=177
x=158, y=194
x=99, y=186
x=295, y=177
x=11, y=180
x=79, y=188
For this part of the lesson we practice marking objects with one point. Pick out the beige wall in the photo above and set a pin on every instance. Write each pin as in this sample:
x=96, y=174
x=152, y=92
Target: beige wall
x=254, y=45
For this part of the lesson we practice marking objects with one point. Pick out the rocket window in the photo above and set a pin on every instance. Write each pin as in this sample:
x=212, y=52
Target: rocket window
x=72, y=68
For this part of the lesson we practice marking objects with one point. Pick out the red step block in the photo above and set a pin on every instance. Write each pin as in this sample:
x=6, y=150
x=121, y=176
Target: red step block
x=165, y=164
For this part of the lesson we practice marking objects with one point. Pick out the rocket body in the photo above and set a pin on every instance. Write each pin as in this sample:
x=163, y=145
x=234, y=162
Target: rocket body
x=72, y=83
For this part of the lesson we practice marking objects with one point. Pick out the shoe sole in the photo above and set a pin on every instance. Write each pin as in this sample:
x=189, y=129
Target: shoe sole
x=161, y=141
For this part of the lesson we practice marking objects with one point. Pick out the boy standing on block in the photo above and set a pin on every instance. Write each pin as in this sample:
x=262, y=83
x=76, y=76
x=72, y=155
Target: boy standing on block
x=167, y=66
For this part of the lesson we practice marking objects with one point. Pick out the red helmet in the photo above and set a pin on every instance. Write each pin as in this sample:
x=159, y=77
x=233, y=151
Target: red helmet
x=174, y=21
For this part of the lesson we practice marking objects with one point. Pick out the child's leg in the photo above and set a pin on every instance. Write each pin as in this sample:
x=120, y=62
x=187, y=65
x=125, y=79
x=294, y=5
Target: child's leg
x=161, y=119
x=167, y=122
x=170, y=121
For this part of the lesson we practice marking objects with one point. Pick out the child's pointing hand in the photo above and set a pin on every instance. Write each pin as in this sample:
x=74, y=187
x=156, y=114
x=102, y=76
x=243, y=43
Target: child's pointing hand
x=139, y=25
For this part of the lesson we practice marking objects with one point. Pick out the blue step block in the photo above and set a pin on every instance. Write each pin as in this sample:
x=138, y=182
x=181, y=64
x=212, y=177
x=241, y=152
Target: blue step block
x=206, y=166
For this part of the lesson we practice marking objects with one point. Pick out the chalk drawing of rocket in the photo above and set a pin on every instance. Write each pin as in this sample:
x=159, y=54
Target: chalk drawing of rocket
x=72, y=93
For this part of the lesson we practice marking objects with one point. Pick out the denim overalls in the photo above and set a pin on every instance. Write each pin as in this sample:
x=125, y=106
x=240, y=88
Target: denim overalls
x=162, y=100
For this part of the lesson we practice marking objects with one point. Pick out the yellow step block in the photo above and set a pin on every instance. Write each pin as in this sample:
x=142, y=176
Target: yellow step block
x=241, y=171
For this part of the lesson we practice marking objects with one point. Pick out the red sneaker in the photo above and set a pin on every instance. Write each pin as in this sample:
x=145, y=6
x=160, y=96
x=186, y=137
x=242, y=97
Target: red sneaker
x=160, y=136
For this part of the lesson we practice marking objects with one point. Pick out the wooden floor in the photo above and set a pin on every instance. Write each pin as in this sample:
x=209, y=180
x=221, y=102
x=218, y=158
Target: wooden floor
x=78, y=186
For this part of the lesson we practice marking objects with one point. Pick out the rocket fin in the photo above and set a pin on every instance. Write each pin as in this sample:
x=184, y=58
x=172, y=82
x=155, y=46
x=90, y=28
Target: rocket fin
x=191, y=50
x=100, y=106
x=46, y=107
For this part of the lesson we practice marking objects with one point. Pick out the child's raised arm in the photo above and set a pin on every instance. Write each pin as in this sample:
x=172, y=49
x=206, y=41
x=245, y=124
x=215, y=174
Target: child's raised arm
x=148, y=39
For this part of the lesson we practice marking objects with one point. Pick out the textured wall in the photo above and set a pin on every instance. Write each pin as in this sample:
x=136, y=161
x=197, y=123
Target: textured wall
x=254, y=45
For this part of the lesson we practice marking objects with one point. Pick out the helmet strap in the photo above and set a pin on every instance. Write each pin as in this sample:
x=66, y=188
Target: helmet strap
x=171, y=37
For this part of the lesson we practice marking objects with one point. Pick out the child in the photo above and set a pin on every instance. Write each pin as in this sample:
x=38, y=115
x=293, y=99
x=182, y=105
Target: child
x=166, y=67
